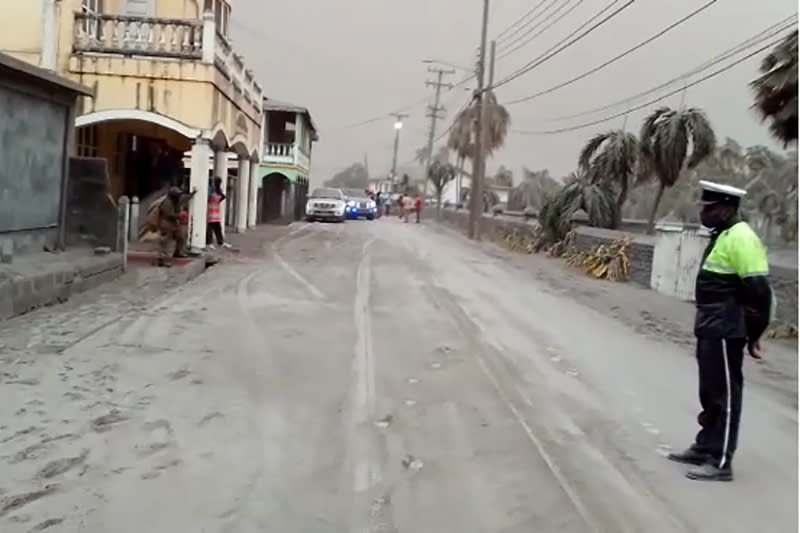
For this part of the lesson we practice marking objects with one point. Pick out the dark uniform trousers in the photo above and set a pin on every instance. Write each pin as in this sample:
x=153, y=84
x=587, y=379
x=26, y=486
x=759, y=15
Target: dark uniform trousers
x=720, y=370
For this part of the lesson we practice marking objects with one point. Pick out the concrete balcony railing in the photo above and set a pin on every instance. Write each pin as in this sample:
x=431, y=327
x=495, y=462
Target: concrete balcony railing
x=280, y=153
x=187, y=39
x=128, y=35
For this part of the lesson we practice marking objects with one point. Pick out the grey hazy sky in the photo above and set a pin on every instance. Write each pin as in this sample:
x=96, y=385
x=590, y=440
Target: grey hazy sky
x=350, y=60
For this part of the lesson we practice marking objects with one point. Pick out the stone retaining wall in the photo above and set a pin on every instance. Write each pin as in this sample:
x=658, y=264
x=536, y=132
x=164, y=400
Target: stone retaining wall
x=640, y=250
x=784, y=280
x=21, y=293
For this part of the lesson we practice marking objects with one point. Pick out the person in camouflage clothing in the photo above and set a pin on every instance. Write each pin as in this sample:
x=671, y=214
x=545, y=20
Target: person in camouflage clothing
x=169, y=227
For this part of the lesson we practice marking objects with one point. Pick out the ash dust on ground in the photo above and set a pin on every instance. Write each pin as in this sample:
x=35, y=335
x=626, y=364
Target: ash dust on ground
x=368, y=376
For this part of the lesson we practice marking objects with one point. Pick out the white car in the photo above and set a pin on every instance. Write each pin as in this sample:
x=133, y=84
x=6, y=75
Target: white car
x=326, y=204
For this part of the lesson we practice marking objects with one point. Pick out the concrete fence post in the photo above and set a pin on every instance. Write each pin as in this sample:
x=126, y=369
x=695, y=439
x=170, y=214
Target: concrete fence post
x=133, y=231
x=123, y=225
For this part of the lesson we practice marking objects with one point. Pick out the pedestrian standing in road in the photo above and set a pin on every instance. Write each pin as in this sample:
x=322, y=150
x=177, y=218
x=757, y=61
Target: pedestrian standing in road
x=734, y=302
x=401, y=205
x=387, y=203
x=379, y=204
x=418, y=203
x=214, y=226
x=408, y=206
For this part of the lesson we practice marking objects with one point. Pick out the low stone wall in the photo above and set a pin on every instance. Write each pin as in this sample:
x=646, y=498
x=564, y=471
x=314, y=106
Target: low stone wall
x=640, y=253
x=491, y=226
x=640, y=250
x=24, y=289
x=784, y=283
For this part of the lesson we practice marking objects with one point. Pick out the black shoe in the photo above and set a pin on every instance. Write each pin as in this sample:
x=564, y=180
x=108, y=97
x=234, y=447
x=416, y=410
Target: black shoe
x=690, y=456
x=711, y=472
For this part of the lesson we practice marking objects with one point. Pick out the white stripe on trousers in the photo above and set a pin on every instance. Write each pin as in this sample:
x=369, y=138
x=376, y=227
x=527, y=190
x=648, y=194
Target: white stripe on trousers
x=727, y=406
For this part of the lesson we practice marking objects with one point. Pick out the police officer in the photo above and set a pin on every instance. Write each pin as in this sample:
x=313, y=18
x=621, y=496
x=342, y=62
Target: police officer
x=734, y=301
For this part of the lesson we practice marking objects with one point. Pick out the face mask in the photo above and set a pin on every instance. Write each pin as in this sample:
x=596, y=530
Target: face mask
x=708, y=218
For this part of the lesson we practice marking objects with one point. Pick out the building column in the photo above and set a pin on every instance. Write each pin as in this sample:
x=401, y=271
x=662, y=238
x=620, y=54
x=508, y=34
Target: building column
x=198, y=181
x=243, y=189
x=252, y=211
x=48, y=57
x=221, y=172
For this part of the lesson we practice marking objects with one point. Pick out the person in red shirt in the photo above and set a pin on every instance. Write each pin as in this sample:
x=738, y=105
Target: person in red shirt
x=418, y=203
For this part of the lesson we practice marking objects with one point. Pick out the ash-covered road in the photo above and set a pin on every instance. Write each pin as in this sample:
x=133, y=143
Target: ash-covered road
x=373, y=377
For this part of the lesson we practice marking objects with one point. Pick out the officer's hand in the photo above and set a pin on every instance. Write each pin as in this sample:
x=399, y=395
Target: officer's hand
x=754, y=347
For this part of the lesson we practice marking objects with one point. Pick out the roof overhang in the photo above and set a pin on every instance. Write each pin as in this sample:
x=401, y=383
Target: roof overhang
x=270, y=104
x=43, y=76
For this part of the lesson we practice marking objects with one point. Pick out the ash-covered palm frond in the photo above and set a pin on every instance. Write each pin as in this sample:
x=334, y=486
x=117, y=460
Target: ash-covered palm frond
x=596, y=199
x=461, y=139
x=498, y=121
x=421, y=155
x=611, y=158
x=671, y=141
x=439, y=174
x=462, y=136
x=776, y=89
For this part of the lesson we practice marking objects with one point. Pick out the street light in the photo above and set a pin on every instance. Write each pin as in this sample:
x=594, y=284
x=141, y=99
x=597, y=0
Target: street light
x=430, y=61
x=398, y=125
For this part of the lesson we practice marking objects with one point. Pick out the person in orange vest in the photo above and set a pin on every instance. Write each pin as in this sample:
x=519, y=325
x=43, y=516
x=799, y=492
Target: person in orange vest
x=214, y=225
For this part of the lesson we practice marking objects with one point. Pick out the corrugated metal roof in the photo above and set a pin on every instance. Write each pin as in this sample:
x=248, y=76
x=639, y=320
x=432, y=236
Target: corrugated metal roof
x=42, y=75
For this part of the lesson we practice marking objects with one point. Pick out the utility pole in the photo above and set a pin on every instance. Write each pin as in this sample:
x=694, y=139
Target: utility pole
x=398, y=125
x=476, y=191
x=434, y=112
x=481, y=144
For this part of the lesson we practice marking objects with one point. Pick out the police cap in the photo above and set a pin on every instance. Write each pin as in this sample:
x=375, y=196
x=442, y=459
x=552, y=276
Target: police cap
x=718, y=193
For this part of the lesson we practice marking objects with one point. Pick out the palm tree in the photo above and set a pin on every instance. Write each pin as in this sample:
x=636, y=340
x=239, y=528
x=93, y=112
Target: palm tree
x=440, y=174
x=462, y=136
x=611, y=158
x=665, y=141
x=504, y=177
x=596, y=199
x=421, y=155
x=776, y=90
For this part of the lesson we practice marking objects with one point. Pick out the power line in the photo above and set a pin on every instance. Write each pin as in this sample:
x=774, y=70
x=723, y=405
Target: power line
x=770, y=32
x=384, y=115
x=655, y=100
x=536, y=62
x=521, y=19
x=507, y=52
x=618, y=56
x=542, y=20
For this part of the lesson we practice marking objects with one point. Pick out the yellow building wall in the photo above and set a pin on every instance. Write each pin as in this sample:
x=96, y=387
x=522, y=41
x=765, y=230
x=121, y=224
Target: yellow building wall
x=178, y=89
x=21, y=30
x=192, y=92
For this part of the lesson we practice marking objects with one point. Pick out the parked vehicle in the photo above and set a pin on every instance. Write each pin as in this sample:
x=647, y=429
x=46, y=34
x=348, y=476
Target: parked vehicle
x=326, y=204
x=360, y=205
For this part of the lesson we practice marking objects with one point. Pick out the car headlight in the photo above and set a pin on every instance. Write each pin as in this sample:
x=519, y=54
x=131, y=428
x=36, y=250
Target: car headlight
x=351, y=203
x=371, y=204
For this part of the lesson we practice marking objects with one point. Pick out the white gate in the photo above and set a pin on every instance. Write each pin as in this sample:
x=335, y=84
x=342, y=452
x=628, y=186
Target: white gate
x=664, y=269
x=677, y=257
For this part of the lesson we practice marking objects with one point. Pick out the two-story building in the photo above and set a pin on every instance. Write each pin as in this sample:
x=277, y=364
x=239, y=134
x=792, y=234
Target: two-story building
x=167, y=82
x=283, y=175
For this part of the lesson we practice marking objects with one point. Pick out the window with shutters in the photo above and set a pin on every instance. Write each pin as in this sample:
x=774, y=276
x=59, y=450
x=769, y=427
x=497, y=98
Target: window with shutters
x=222, y=16
x=87, y=141
x=91, y=8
